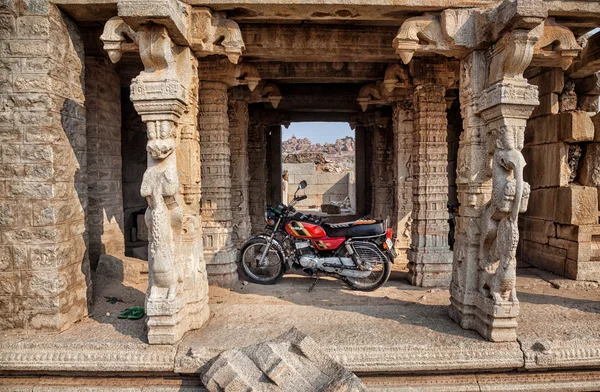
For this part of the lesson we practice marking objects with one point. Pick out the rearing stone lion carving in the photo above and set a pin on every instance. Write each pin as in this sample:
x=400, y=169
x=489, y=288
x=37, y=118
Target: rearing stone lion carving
x=499, y=231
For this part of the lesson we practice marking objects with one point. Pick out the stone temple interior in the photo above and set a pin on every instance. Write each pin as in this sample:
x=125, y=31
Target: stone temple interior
x=140, y=143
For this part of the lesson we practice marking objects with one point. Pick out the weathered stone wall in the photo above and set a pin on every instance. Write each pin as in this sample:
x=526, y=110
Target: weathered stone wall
x=103, y=109
x=133, y=148
x=322, y=187
x=44, y=267
x=560, y=231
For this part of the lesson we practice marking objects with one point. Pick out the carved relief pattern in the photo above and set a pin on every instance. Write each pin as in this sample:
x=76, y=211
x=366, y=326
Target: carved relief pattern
x=403, y=144
x=164, y=214
x=430, y=259
x=383, y=172
x=238, y=137
x=257, y=185
x=215, y=156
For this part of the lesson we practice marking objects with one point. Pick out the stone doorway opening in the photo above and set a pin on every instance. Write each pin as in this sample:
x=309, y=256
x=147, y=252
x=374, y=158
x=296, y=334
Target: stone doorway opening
x=323, y=155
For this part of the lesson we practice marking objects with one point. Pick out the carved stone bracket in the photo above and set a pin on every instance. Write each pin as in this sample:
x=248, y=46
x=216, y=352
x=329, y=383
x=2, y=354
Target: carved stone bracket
x=207, y=33
x=214, y=34
x=370, y=94
x=267, y=92
x=394, y=87
x=399, y=80
x=434, y=33
x=557, y=46
x=511, y=56
x=118, y=38
x=454, y=33
x=224, y=71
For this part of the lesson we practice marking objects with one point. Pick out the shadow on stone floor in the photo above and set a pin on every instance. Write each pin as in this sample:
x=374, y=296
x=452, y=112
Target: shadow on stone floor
x=106, y=312
x=571, y=303
x=384, y=303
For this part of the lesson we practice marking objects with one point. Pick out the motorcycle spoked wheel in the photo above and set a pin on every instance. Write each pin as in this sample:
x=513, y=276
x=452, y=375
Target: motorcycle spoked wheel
x=380, y=273
x=249, y=259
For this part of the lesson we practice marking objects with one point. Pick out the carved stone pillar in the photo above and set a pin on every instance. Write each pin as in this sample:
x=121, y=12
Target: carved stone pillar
x=383, y=171
x=164, y=95
x=495, y=111
x=402, y=118
x=430, y=258
x=216, y=77
x=238, y=142
x=215, y=156
x=379, y=149
x=257, y=159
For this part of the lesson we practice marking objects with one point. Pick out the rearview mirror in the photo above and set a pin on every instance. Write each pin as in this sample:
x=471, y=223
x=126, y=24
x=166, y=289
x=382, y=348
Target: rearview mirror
x=302, y=184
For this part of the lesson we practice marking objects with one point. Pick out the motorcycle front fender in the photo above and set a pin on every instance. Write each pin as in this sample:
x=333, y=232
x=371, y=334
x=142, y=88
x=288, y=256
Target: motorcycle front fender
x=274, y=244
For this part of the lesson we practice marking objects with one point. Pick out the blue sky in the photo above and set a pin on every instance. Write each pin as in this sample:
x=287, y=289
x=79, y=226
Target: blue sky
x=318, y=132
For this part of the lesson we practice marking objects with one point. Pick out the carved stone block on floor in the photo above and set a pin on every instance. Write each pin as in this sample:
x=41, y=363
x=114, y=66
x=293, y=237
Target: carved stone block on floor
x=291, y=362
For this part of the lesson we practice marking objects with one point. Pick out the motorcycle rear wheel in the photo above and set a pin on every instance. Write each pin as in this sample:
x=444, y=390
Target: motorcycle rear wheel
x=249, y=259
x=379, y=275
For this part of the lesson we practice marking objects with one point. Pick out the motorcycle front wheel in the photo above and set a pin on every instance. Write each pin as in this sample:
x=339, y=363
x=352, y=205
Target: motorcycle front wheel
x=268, y=273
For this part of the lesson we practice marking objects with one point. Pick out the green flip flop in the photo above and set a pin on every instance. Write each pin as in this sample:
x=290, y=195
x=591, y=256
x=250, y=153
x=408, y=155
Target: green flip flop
x=124, y=314
x=133, y=313
x=137, y=312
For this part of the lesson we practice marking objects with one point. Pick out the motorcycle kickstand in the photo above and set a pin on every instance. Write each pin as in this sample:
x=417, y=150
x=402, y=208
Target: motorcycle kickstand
x=314, y=283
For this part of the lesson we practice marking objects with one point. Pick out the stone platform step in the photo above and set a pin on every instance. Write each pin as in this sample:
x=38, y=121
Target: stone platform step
x=573, y=381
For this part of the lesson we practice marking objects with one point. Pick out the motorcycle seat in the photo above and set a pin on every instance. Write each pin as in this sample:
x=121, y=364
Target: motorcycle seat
x=359, y=228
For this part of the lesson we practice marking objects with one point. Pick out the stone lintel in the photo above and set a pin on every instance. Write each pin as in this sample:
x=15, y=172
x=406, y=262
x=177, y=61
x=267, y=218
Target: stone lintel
x=320, y=72
x=318, y=43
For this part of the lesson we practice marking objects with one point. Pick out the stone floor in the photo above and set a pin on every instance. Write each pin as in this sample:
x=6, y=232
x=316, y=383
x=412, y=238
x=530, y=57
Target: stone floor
x=398, y=329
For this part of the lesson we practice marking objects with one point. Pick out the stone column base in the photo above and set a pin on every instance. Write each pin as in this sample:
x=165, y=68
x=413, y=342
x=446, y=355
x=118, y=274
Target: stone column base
x=496, y=323
x=430, y=267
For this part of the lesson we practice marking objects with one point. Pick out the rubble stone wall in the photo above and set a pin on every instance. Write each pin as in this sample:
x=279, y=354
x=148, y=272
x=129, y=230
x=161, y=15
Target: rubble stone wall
x=103, y=108
x=560, y=231
x=44, y=267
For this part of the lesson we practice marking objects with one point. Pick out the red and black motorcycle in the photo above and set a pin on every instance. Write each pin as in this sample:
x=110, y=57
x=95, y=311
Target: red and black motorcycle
x=358, y=252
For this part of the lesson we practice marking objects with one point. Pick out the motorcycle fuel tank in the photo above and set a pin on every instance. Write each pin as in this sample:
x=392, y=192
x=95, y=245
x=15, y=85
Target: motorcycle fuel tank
x=304, y=230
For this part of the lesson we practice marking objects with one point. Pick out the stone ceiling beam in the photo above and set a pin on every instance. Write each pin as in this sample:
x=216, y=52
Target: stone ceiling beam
x=320, y=72
x=318, y=43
